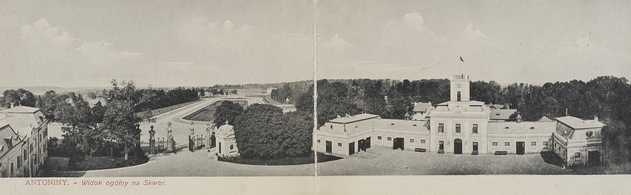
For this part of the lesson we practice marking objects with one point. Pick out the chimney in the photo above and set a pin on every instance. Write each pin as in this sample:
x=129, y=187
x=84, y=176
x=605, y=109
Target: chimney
x=595, y=118
x=12, y=105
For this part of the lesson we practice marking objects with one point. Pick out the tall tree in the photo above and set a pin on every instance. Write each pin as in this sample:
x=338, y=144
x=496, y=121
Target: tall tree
x=259, y=131
x=119, y=120
x=227, y=112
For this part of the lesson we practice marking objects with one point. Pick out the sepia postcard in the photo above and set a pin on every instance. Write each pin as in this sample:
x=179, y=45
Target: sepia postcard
x=315, y=97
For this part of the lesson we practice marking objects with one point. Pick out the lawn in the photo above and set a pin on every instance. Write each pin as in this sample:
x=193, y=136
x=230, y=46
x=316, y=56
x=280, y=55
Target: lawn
x=105, y=162
x=207, y=113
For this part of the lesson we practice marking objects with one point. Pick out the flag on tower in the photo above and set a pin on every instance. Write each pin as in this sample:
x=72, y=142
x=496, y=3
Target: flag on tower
x=461, y=59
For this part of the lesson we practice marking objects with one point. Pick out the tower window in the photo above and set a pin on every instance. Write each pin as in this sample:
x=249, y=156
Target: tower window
x=441, y=128
x=457, y=128
x=475, y=128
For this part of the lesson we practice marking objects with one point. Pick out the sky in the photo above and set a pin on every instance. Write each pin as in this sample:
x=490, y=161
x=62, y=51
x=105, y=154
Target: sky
x=166, y=43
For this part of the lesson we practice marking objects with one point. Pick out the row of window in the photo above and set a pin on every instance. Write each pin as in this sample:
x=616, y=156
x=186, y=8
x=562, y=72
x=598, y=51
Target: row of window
x=338, y=143
x=532, y=143
x=441, y=128
x=390, y=139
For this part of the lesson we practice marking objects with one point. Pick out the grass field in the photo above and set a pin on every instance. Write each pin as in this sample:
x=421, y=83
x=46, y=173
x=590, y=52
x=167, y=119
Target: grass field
x=207, y=113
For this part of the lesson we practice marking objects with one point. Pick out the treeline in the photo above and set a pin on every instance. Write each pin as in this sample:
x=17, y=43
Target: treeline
x=291, y=91
x=159, y=98
x=386, y=98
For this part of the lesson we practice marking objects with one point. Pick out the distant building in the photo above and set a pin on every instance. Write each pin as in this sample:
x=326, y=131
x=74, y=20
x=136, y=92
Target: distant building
x=460, y=126
x=93, y=102
x=421, y=109
x=270, y=89
x=578, y=142
x=32, y=128
x=287, y=108
x=497, y=106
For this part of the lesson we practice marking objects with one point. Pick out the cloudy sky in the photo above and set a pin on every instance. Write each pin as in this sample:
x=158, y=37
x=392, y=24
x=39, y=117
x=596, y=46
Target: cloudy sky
x=197, y=43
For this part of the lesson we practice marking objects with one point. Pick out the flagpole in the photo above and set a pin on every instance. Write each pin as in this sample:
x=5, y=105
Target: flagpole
x=461, y=61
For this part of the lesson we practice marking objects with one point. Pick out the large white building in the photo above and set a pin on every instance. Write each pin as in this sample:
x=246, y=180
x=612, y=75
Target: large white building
x=31, y=132
x=459, y=126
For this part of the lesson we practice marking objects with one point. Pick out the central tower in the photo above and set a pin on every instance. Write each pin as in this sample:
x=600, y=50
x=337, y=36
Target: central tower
x=459, y=88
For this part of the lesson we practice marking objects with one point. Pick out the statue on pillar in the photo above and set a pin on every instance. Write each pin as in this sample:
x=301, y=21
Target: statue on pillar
x=208, y=141
x=191, y=138
x=170, y=140
x=152, y=141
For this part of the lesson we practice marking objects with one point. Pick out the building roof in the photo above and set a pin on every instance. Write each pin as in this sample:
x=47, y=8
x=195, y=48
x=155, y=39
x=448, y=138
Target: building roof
x=512, y=127
x=355, y=118
x=502, y=114
x=576, y=123
x=20, y=109
x=470, y=103
x=496, y=106
x=402, y=125
x=23, y=121
x=421, y=106
x=8, y=138
x=545, y=119
x=225, y=131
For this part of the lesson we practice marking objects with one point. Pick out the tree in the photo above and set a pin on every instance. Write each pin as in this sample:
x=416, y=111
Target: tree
x=227, y=111
x=79, y=128
x=26, y=98
x=333, y=101
x=202, y=92
x=297, y=134
x=20, y=97
x=486, y=92
x=259, y=132
x=617, y=141
x=119, y=120
x=304, y=103
x=98, y=112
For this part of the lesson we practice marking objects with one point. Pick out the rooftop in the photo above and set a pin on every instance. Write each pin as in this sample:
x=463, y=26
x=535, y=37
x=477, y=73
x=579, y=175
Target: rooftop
x=21, y=109
x=576, y=123
x=355, y=118
x=502, y=114
x=225, y=131
x=8, y=138
x=421, y=106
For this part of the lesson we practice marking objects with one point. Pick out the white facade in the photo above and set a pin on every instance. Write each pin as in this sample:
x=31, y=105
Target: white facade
x=578, y=142
x=226, y=142
x=459, y=126
x=32, y=128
